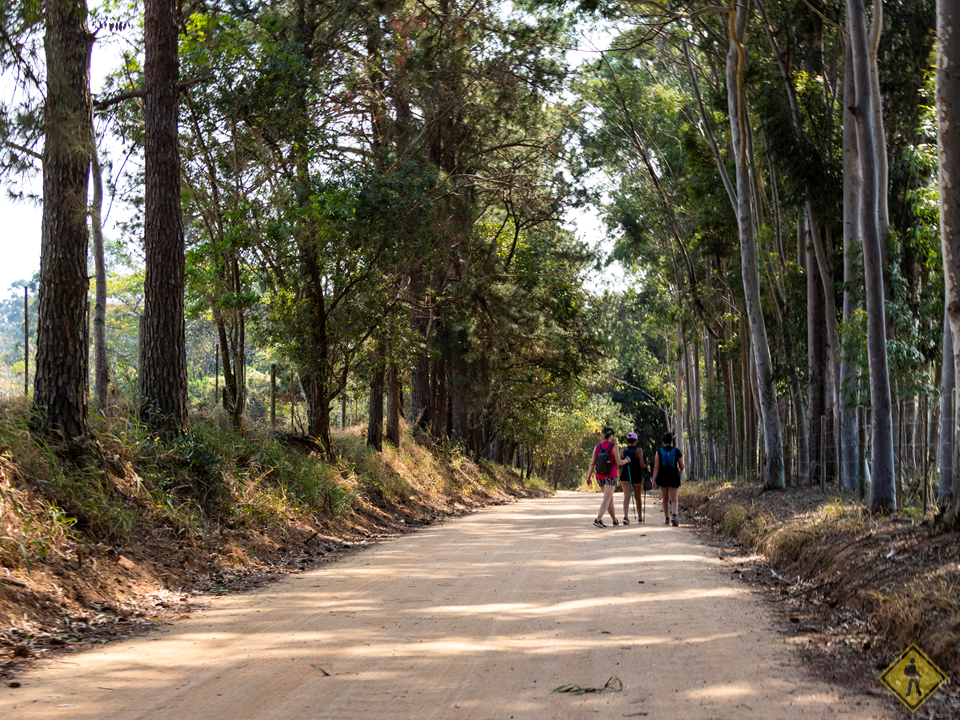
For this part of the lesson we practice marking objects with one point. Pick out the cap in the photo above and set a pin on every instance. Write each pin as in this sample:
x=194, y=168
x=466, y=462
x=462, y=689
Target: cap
x=632, y=436
x=607, y=431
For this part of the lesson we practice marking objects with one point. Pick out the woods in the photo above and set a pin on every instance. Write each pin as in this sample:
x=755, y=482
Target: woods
x=362, y=212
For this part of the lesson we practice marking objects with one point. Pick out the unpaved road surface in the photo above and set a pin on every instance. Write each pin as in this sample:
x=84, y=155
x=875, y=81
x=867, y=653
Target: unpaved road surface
x=481, y=617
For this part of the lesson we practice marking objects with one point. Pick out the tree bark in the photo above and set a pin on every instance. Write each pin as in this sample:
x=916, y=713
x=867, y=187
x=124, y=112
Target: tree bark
x=948, y=122
x=375, y=417
x=393, y=404
x=947, y=416
x=101, y=382
x=882, y=487
x=61, y=364
x=815, y=357
x=849, y=373
x=163, y=369
x=736, y=100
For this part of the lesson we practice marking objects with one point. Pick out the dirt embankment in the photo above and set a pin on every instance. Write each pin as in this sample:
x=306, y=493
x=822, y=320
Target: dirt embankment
x=854, y=589
x=109, y=539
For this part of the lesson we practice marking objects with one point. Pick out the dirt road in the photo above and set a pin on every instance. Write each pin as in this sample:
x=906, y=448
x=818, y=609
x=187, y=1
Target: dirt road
x=481, y=617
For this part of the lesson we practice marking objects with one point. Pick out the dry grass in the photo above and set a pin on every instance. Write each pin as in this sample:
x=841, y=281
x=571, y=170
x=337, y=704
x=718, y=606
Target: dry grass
x=125, y=514
x=897, y=572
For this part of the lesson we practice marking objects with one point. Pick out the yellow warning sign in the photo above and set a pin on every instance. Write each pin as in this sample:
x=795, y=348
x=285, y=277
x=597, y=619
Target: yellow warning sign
x=913, y=678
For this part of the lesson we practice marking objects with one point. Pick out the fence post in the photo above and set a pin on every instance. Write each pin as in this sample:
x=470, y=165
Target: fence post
x=823, y=453
x=926, y=490
x=273, y=397
x=899, y=462
x=26, y=342
x=861, y=451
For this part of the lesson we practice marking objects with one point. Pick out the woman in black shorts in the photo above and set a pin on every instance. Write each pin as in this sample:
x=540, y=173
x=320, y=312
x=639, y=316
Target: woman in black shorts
x=667, y=468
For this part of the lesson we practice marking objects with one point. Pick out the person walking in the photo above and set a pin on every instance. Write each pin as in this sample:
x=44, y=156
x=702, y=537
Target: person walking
x=667, y=469
x=631, y=480
x=606, y=460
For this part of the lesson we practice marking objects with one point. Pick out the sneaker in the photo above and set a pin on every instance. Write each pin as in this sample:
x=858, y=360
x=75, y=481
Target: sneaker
x=626, y=521
x=615, y=523
x=666, y=521
x=598, y=523
x=674, y=521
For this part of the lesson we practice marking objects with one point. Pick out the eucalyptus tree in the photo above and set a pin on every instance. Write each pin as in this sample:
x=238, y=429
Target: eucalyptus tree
x=883, y=495
x=948, y=124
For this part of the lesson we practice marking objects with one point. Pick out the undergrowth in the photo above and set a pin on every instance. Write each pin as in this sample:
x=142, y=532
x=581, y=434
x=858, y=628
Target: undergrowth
x=899, y=571
x=124, y=478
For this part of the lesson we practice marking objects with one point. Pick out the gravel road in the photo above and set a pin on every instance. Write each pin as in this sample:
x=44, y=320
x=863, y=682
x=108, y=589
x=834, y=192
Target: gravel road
x=480, y=617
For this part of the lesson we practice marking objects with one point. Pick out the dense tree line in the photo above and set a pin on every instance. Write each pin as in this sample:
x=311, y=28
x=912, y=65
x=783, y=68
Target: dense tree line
x=371, y=195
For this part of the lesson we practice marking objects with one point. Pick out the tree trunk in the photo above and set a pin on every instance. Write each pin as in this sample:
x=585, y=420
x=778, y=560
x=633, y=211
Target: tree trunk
x=375, y=416
x=317, y=398
x=736, y=100
x=101, y=382
x=815, y=358
x=947, y=416
x=882, y=487
x=420, y=401
x=61, y=365
x=948, y=122
x=393, y=404
x=459, y=406
x=163, y=369
x=803, y=447
x=849, y=373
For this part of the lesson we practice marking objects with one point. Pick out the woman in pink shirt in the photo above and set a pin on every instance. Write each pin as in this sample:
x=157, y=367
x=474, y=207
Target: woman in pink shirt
x=606, y=460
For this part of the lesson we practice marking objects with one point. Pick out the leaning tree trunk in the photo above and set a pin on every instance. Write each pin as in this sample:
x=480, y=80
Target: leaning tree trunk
x=883, y=496
x=60, y=380
x=816, y=364
x=948, y=121
x=101, y=381
x=849, y=374
x=163, y=364
x=736, y=100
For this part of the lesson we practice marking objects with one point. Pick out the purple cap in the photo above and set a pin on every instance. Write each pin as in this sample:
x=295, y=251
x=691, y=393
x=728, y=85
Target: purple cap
x=632, y=436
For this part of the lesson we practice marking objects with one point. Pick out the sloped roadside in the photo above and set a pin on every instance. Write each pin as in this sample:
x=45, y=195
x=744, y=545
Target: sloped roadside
x=852, y=590
x=122, y=534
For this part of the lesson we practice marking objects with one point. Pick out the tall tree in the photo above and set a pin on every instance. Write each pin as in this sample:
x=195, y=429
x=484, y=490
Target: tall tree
x=773, y=475
x=163, y=361
x=948, y=122
x=883, y=496
x=849, y=420
x=101, y=381
x=60, y=386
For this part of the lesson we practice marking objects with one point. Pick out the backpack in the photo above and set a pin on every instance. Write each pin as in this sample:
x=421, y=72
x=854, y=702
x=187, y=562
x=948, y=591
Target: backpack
x=604, y=463
x=668, y=458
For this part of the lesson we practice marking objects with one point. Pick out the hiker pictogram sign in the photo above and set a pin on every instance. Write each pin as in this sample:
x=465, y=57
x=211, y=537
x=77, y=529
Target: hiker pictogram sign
x=913, y=678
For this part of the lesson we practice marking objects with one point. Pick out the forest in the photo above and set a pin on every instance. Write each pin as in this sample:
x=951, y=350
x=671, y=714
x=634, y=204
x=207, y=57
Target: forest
x=358, y=214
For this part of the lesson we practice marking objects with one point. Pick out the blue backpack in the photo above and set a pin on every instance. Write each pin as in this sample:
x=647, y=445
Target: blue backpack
x=668, y=458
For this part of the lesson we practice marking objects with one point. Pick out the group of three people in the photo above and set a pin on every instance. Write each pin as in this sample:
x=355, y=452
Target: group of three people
x=608, y=459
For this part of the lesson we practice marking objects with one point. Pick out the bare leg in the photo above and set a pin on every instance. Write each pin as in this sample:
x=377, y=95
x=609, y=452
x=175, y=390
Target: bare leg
x=674, y=500
x=607, y=501
x=665, y=494
x=627, y=492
